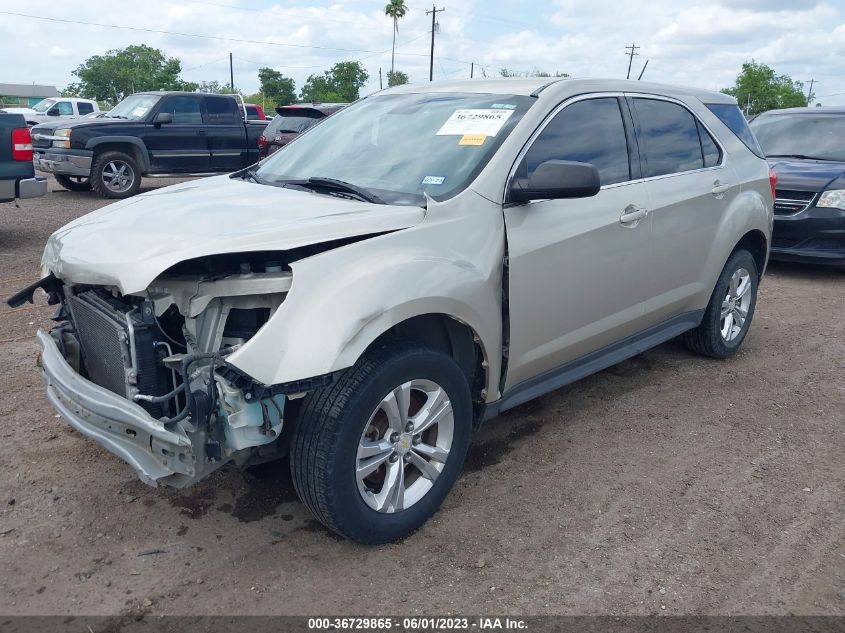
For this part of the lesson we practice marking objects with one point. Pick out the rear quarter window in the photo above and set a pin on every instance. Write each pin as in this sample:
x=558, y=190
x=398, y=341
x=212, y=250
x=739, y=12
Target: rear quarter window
x=735, y=121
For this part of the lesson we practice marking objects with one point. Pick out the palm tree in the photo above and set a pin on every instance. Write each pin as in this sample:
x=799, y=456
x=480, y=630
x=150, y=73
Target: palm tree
x=396, y=9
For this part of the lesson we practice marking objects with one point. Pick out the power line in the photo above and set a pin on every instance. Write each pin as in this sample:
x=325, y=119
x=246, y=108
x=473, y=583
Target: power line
x=434, y=11
x=181, y=34
x=631, y=53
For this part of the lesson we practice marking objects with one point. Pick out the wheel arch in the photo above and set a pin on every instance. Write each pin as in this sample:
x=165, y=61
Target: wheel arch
x=454, y=338
x=126, y=144
x=755, y=242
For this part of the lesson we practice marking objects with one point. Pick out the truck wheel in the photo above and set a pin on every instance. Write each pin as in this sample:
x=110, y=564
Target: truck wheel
x=74, y=183
x=375, y=454
x=731, y=308
x=115, y=175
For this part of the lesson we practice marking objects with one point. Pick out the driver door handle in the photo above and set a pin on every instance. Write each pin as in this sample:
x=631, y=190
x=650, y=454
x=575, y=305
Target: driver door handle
x=632, y=214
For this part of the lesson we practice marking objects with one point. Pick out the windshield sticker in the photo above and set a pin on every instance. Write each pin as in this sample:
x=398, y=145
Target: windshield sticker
x=503, y=106
x=486, y=122
x=472, y=139
x=433, y=180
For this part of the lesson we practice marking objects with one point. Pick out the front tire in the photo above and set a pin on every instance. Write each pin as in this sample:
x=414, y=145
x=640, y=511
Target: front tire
x=74, y=183
x=375, y=454
x=115, y=175
x=731, y=308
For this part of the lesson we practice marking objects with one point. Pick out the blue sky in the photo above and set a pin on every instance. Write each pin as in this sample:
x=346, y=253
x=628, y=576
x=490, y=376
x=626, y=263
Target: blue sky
x=692, y=42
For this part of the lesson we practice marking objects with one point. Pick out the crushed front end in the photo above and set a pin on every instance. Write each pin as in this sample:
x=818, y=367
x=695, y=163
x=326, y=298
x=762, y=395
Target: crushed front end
x=145, y=374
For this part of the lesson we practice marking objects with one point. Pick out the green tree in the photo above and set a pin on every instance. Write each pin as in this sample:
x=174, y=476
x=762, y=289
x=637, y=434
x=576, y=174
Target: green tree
x=396, y=78
x=136, y=68
x=215, y=87
x=278, y=89
x=395, y=9
x=758, y=88
x=342, y=83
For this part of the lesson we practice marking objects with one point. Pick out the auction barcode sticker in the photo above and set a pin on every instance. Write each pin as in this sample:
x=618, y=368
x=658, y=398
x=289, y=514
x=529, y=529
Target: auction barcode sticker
x=485, y=122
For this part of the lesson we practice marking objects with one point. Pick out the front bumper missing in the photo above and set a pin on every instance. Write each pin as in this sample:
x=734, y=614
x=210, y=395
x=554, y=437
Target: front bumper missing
x=158, y=455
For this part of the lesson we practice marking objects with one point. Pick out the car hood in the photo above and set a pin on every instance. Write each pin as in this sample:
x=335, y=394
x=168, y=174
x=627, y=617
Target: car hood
x=28, y=111
x=130, y=243
x=808, y=175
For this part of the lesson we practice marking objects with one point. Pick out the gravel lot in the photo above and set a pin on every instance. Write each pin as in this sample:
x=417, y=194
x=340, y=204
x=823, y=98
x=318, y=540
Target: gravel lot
x=669, y=484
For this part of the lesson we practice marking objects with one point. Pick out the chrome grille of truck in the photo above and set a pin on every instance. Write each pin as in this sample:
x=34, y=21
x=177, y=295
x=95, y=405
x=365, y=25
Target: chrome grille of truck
x=788, y=202
x=103, y=336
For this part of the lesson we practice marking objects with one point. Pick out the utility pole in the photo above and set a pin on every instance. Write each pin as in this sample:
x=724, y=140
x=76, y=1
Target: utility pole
x=643, y=70
x=810, y=95
x=380, y=85
x=231, y=74
x=434, y=11
x=471, y=69
x=631, y=53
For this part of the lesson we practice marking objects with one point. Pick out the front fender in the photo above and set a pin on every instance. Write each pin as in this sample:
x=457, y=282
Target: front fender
x=343, y=300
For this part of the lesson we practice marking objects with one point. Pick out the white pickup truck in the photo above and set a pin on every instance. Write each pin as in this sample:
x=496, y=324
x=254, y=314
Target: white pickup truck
x=58, y=107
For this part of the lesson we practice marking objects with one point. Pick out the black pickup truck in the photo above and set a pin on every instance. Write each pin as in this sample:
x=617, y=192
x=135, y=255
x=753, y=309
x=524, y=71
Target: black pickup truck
x=147, y=134
x=17, y=177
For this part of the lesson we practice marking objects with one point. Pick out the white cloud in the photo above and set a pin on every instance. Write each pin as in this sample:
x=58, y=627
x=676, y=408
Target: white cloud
x=692, y=42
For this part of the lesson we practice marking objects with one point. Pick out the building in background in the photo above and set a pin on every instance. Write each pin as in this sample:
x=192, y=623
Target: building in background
x=25, y=95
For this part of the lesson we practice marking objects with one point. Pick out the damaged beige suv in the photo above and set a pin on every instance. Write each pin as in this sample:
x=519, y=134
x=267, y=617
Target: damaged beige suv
x=418, y=263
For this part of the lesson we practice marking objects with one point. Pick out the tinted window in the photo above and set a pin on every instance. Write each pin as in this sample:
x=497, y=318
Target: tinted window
x=588, y=131
x=668, y=138
x=711, y=152
x=252, y=113
x=185, y=110
x=734, y=120
x=85, y=108
x=65, y=108
x=222, y=110
x=293, y=122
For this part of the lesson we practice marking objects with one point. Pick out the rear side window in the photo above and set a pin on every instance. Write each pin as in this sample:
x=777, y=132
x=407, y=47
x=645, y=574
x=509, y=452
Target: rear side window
x=734, y=120
x=252, y=113
x=293, y=121
x=85, y=108
x=222, y=111
x=185, y=110
x=590, y=131
x=709, y=150
x=668, y=138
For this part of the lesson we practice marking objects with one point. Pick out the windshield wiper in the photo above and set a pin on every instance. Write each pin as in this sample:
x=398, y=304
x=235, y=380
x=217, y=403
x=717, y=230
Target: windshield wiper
x=321, y=182
x=251, y=175
x=800, y=156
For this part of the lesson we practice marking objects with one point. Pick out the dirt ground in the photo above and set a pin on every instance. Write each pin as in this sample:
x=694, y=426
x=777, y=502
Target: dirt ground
x=669, y=484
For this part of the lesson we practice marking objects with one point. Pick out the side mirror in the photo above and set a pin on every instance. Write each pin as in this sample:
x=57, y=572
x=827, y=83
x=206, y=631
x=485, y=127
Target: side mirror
x=54, y=111
x=557, y=179
x=163, y=117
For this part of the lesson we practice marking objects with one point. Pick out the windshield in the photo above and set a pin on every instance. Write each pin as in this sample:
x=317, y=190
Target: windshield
x=134, y=107
x=43, y=105
x=400, y=147
x=803, y=135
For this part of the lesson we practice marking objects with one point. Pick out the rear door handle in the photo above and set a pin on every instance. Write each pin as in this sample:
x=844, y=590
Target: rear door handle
x=201, y=133
x=720, y=189
x=632, y=214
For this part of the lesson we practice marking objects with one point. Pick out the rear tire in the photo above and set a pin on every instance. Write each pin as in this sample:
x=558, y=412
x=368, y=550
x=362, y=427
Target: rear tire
x=342, y=431
x=115, y=175
x=74, y=183
x=730, y=311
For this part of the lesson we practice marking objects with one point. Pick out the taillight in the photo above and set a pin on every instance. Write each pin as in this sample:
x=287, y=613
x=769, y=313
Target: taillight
x=262, y=141
x=773, y=181
x=21, y=144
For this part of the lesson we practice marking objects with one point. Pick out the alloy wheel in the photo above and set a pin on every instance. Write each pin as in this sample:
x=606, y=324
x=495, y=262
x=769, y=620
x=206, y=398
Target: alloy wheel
x=404, y=446
x=735, y=305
